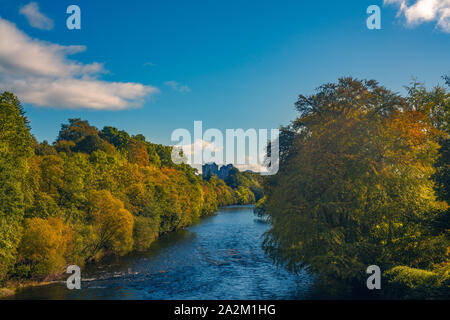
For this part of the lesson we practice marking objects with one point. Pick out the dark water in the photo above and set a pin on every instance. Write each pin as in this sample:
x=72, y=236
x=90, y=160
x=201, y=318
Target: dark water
x=218, y=258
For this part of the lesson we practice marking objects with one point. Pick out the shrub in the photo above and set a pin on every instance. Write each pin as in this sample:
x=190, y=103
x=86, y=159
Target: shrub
x=412, y=283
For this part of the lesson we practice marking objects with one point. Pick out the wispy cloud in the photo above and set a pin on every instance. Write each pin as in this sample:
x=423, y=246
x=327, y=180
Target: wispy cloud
x=420, y=11
x=41, y=73
x=36, y=18
x=177, y=86
x=149, y=64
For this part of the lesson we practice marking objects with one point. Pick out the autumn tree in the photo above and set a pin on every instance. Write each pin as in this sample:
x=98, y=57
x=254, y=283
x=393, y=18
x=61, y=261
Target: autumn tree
x=354, y=185
x=137, y=153
x=113, y=224
x=105, y=192
x=44, y=149
x=145, y=232
x=45, y=245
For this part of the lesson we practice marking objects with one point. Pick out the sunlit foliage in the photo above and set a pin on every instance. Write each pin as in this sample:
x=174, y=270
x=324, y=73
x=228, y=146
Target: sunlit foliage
x=15, y=151
x=104, y=191
x=45, y=245
x=355, y=185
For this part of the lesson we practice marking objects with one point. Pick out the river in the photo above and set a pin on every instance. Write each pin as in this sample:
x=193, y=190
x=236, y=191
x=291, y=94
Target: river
x=218, y=258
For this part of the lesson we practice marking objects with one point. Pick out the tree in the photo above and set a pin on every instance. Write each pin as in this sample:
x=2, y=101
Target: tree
x=354, y=188
x=80, y=136
x=244, y=195
x=164, y=154
x=89, y=144
x=44, y=149
x=64, y=146
x=113, y=224
x=137, y=153
x=153, y=156
x=145, y=232
x=45, y=245
x=120, y=139
x=75, y=130
x=234, y=179
x=447, y=80
x=103, y=192
x=15, y=150
x=209, y=199
x=435, y=104
x=52, y=175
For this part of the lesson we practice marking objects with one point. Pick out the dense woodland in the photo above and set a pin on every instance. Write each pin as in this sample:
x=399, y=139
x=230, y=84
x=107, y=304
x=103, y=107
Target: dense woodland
x=94, y=193
x=364, y=180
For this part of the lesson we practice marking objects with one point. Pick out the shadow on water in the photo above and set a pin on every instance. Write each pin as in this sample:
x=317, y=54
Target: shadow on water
x=219, y=257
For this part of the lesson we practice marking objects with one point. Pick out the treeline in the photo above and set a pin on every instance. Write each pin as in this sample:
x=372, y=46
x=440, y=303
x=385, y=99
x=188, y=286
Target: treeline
x=364, y=180
x=246, y=187
x=93, y=193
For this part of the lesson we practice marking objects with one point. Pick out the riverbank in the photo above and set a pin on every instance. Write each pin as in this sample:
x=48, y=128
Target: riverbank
x=13, y=286
x=220, y=257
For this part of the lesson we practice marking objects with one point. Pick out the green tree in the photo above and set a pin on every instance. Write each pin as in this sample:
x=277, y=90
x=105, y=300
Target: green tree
x=75, y=130
x=120, y=139
x=44, y=149
x=16, y=147
x=145, y=232
x=90, y=143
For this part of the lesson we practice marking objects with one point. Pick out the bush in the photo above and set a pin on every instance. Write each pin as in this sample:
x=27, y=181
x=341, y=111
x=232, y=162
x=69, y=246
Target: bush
x=411, y=283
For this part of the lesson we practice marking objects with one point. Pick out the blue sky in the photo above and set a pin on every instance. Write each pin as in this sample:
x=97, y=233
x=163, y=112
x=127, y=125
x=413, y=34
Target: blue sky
x=231, y=64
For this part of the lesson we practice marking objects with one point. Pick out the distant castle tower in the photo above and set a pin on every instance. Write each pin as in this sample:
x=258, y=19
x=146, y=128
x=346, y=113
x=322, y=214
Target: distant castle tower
x=210, y=169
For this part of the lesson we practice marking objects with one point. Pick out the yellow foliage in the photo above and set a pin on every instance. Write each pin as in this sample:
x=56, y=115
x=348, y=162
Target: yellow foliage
x=45, y=245
x=113, y=223
x=145, y=232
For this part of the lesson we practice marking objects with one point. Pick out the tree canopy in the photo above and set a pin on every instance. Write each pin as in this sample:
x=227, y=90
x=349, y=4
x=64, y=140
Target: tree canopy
x=356, y=183
x=92, y=193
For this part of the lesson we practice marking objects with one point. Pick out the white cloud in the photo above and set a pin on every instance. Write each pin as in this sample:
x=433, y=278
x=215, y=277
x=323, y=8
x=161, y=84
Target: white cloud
x=205, y=147
x=41, y=73
x=253, y=165
x=35, y=18
x=177, y=86
x=200, y=146
x=149, y=64
x=420, y=11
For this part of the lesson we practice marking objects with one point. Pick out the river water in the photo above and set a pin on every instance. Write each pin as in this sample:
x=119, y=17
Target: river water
x=218, y=258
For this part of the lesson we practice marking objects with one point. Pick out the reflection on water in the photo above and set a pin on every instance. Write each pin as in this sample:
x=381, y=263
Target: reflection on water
x=219, y=258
